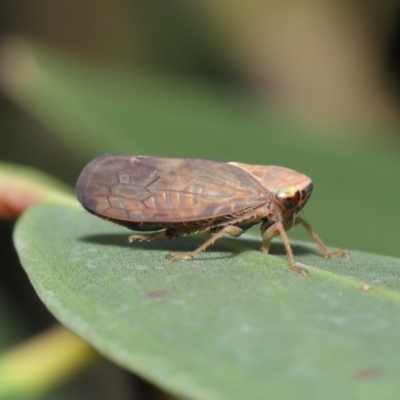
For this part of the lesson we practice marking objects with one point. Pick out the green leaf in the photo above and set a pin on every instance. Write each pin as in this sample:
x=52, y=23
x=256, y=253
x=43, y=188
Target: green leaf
x=231, y=324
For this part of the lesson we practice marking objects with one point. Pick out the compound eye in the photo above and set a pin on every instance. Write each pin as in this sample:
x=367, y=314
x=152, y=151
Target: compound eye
x=288, y=197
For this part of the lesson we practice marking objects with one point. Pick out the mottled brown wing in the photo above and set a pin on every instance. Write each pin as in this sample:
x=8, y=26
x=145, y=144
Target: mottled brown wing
x=157, y=192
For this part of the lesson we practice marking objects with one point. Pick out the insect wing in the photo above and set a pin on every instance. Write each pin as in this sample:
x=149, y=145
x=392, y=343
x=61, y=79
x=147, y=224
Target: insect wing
x=165, y=190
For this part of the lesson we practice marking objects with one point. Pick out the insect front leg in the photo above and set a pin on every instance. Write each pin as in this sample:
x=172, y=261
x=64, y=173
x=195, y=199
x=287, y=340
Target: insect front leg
x=317, y=239
x=230, y=229
x=278, y=229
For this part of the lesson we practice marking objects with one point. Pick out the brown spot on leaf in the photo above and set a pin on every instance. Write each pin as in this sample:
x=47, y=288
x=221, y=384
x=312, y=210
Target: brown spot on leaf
x=155, y=294
x=366, y=374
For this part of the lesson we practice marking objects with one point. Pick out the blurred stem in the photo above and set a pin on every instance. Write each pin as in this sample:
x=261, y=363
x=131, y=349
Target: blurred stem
x=21, y=187
x=43, y=362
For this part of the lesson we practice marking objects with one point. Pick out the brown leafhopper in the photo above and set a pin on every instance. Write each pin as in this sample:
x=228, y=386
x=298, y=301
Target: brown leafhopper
x=177, y=196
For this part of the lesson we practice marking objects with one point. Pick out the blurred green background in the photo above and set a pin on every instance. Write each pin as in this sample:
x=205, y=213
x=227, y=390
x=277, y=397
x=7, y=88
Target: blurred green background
x=310, y=86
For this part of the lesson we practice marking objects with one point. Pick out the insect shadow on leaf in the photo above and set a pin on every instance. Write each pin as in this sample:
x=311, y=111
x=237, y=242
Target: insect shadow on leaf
x=165, y=244
x=226, y=244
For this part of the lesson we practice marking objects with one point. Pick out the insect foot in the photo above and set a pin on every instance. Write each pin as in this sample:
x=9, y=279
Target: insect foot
x=146, y=237
x=179, y=256
x=340, y=253
x=299, y=270
x=140, y=238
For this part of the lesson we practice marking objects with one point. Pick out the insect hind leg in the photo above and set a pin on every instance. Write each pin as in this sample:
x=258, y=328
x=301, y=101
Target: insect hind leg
x=147, y=237
x=230, y=229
